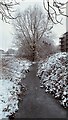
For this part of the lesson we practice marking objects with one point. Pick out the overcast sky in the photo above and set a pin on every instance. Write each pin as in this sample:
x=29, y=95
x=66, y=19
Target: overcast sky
x=6, y=30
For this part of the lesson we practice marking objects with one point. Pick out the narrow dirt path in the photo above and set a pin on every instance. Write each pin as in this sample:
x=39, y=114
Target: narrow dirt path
x=36, y=103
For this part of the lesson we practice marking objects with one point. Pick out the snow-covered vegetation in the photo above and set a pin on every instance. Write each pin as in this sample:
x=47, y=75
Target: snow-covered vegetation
x=11, y=72
x=53, y=76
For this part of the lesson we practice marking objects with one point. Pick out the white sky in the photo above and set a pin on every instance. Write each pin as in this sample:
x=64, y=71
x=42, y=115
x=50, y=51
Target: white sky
x=5, y=29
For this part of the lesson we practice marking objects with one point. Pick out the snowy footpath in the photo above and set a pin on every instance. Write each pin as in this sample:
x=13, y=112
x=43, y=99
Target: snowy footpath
x=11, y=72
x=37, y=104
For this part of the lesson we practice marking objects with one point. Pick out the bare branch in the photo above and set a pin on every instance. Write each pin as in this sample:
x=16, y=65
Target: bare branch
x=7, y=9
x=55, y=10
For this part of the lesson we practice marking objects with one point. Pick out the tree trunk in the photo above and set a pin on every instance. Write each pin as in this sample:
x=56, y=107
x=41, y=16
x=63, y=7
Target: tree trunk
x=33, y=56
x=34, y=52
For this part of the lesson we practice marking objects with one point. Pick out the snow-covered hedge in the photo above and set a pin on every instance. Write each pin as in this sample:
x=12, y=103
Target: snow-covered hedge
x=11, y=72
x=13, y=68
x=53, y=76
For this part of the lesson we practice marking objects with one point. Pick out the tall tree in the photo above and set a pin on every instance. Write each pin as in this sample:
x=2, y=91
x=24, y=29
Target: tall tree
x=32, y=26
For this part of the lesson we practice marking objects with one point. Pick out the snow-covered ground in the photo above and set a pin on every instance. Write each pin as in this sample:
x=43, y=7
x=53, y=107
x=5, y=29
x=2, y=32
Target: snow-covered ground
x=11, y=72
x=53, y=75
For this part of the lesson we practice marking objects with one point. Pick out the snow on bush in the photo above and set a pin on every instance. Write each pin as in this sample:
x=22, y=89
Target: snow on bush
x=11, y=72
x=14, y=68
x=53, y=76
x=8, y=98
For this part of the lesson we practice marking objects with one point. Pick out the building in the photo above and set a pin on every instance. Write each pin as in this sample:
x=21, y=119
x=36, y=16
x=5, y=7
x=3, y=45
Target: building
x=64, y=42
x=2, y=51
x=11, y=52
x=67, y=17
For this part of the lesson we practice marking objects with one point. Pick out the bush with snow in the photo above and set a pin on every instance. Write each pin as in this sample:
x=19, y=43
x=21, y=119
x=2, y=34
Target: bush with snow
x=53, y=74
x=12, y=71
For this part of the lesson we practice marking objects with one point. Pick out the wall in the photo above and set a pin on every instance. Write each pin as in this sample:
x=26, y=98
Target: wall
x=67, y=18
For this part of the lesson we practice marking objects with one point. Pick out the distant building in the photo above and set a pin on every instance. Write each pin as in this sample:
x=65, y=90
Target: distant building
x=2, y=51
x=11, y=52
x=64, y=42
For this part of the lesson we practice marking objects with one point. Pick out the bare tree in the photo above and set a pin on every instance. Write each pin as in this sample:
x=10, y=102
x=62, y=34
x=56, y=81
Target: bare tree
x=7, y=8
x=31, y=28
x=54, y=9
